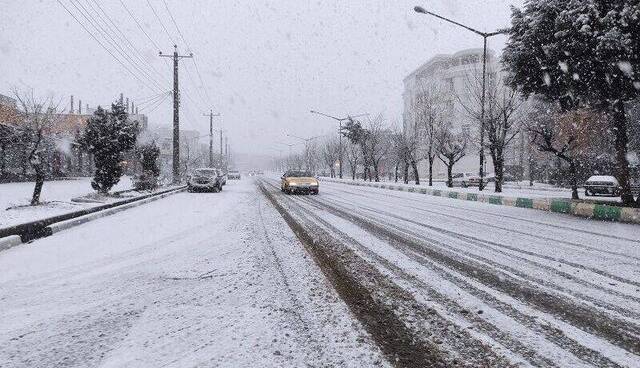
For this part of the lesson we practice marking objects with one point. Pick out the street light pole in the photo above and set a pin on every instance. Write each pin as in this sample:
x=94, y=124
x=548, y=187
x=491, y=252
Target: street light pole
x=340, y=120
x=485, y=36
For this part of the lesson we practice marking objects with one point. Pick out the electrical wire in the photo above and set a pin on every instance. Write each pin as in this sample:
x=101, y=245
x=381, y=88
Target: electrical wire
x=107, y=36
x=105, y=47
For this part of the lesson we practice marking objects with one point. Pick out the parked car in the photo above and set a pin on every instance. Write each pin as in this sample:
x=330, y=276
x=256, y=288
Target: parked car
x=234, y=175
x=297, y=181
x=145, y=181
x=474, y=181
x=461, y=179
x=207, y=179
x=223, y=175
x=602, y=185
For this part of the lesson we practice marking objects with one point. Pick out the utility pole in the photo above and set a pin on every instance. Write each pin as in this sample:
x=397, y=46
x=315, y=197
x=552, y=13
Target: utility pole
x=176, y=112
x=211, y=115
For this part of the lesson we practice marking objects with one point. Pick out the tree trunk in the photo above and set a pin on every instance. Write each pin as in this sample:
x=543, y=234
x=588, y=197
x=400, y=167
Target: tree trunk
x=450, y=175
x=3, y=160
x=498, y=167
x=406, y=173
x=376, y=173
x=396, y=171
x=431, y=170
x=416, y=175
x=37, y=190
x=573, y=179
x=621, y=141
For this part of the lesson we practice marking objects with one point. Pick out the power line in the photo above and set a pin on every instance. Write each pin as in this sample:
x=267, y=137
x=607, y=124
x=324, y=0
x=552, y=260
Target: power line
x=176, y=25
x=132, y=47
x=152, y=109
x=100, y=30
x=161, y=24
x=103, y=46
x=152, y=100
x=140, y=26
x=202, y=84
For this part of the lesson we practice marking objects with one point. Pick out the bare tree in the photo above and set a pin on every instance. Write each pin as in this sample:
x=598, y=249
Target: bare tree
x=374, y=142
x=354, y=157
x=330, y=154
x=377, y=144
x=429, y=110
x=451, y=148
x=568, y=135
x=504, y=112
x=36, y=121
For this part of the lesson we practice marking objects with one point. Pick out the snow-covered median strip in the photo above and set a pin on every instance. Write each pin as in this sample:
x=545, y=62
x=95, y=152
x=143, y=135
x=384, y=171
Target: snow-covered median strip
x=46, y=226
x=63, y=225
x=560, y=205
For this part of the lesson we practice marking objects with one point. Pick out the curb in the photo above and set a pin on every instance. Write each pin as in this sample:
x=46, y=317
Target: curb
x=10, y=241
x=594, y=211
x=67, y=224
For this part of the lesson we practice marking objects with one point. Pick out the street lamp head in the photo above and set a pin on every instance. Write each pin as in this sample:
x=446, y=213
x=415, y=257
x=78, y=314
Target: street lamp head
x=419, y=9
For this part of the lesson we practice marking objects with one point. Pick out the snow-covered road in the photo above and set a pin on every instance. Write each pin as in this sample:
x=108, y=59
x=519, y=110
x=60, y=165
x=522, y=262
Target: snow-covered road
x=190, y=280
x=481, y=285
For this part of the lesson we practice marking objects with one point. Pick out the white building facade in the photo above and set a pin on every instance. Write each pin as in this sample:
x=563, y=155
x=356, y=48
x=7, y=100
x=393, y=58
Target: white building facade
x=457, y=78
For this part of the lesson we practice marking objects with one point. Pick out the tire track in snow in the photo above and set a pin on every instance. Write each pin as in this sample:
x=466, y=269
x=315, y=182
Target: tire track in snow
x=349, y=217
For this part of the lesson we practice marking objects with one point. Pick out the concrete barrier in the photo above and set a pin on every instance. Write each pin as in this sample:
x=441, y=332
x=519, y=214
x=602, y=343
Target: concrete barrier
x=595, y=211
x=9, y=241
x=67, y=224
x=55, y=224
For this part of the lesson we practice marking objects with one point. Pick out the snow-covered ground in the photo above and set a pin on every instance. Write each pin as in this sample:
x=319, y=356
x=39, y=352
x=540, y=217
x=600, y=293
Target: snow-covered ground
x=56, y=199
x=196, y=279
x=509, y=285
x=513, y=190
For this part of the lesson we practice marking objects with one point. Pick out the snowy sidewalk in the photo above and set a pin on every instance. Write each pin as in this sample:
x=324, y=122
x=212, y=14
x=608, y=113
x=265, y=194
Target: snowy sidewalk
x=56, y=199
x=191, y=280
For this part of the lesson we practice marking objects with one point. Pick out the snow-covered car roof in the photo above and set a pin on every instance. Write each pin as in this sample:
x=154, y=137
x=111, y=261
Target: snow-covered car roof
x=602, y=178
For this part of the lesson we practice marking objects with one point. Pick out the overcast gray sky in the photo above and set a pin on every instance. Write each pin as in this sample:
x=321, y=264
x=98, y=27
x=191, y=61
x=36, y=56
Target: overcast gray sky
x=264, y=64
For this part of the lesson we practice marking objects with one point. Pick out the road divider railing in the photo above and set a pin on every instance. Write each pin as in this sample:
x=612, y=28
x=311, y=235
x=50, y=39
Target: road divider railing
x=595, y=211
x=26, y=232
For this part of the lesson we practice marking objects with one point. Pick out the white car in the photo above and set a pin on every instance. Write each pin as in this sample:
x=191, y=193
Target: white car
x=602, y=185
x=462, y=179
x=234, y=174
x=207, y=179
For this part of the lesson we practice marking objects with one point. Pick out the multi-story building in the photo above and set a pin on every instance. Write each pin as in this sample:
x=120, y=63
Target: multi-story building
x=457, y=78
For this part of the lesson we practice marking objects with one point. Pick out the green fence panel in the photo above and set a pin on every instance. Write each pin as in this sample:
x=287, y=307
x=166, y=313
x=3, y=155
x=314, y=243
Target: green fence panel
x=524, y=202
x=495, y=200
x=604, y=212
x=560, y=206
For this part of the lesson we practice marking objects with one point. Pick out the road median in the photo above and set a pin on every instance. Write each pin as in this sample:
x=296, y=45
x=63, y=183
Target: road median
x=596, y=211
x=26, y=232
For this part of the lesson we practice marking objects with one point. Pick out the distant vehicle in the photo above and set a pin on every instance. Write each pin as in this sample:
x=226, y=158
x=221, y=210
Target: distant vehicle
x=461, y=179
x=145, y=181
x=223, y=175
x=234, y=175
x=297, y=181
x=474, y=181
x=602, y=185
x=207, y=179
